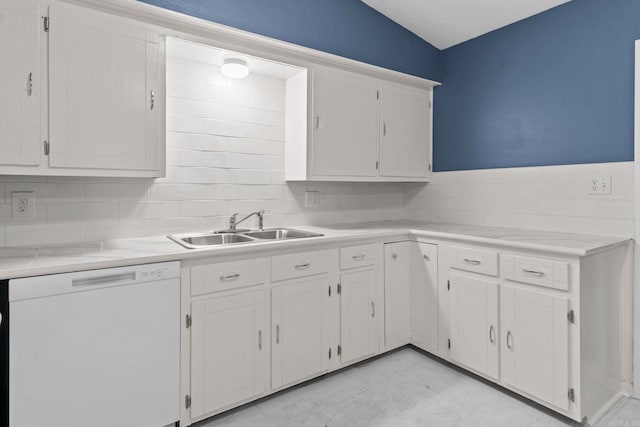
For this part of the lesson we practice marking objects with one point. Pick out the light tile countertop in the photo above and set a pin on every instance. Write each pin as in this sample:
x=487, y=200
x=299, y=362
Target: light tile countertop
x=34, y=261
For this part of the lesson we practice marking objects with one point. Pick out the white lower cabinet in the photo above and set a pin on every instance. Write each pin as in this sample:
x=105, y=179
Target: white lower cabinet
x=535, y=344
x=424, y=308
x=228, y=351
x=299, y=331
x=397, y=294
x=474, y=324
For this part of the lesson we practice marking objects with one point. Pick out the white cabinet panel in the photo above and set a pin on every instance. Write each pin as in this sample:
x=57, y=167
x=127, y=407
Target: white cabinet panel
x=535, y=344
x=474, y=324
x=397, y=294
x=299, y=331
x=105, y=92
x=345, y=123
x=405, y=122
x=424, y=296
x=229, y=353
x=358, y=332
x=20, y=27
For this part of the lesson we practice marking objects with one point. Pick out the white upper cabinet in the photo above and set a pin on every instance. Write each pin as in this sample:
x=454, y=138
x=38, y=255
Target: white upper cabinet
x=105, y=94
x=345, y=121
x=405, y=140
x=20, y=83
x=357, y=127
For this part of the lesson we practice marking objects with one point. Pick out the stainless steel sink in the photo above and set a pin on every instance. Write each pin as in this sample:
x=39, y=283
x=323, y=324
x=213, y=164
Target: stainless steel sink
x=281, y=234
x=206, y=240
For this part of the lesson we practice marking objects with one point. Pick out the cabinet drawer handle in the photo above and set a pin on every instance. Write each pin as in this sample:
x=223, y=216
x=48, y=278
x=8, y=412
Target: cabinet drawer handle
x=359, y=257
x=259, y=340
x=534, y=272
x=30, y=84
x=471, y=261
x=303, y=266
x=509, y=340
x=373, y=309
x=277, y=334
x=492, y=335
x=153, y=100
x=229, y=277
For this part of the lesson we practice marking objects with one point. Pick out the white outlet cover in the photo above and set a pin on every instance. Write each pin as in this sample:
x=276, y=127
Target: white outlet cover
x=311, y=199
x=22, y=205
x=600, y=185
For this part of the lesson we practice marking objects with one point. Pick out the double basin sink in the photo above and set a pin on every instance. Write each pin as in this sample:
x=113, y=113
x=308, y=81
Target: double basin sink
x=221, y=238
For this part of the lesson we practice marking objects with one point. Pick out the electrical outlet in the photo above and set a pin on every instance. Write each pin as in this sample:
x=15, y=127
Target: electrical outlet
x=601, y=185
x=311, y=199
x=22, y=204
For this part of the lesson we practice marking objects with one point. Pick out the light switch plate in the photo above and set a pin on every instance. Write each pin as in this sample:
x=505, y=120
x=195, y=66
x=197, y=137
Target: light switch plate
x=22, y=205
x=311, y=199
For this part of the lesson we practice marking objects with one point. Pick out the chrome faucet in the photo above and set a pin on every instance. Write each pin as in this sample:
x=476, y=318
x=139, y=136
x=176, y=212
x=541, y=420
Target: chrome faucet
x=233, y=221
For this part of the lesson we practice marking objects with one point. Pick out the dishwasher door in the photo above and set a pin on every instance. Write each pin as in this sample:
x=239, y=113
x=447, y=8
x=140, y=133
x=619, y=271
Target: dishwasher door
x=98, y=348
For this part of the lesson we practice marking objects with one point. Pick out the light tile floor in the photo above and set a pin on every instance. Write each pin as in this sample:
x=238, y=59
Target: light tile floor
x=404, y=389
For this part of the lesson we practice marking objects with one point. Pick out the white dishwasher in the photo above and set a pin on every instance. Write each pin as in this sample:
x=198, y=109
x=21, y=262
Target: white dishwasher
x=95, y=348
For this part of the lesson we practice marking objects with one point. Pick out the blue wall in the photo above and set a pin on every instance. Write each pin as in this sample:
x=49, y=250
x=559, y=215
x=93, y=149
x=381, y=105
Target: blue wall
x=347, y=28
x=556, y=88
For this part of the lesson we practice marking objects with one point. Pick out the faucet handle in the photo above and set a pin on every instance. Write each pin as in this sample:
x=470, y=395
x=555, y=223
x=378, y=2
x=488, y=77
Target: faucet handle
x=233, y=219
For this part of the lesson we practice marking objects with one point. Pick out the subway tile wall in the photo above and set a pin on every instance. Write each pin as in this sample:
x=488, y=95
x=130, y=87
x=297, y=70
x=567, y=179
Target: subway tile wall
x=553, y=198
x=225, y=144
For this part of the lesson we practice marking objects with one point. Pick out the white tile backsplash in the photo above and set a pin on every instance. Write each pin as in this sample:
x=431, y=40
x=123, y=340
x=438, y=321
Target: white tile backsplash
x=553, y=198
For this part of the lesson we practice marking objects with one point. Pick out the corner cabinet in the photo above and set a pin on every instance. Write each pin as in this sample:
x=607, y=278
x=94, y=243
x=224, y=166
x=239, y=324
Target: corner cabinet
x=91, y=89
x=358, y=127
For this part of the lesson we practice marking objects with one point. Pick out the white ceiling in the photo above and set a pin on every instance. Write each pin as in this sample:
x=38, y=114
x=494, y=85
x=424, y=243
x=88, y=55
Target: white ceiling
x=445, y=23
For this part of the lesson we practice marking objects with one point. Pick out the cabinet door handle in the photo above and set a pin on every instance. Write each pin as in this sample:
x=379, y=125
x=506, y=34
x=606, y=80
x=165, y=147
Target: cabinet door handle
x=358, y=257
x=472, y=261
x=384, y=129
x=30, y=84
x=152, y=100
x=534, y=272
x=317, y=121
x=394, y=256
x=426, y=257
x=373, y=309
x=509, y=340
x=303, y=266
x=492, y=335
x=229, y=277
x=277, y=334
x=259, y=340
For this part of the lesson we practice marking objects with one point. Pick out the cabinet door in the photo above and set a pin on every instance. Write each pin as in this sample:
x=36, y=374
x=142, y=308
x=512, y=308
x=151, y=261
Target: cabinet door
x=300, y=331
x=104, y=94
x=397, y=294
x=474, y=324
x=405, y=141
x=228, y=351
x=345, y=124
x=358, y=331
x=20, y=27
x=535, y=349
x=424, y=296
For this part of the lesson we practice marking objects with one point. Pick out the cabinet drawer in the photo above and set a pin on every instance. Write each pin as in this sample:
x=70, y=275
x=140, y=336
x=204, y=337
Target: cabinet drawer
x=285, y=267
x=477, y=261
x=536, y=271
x=228, y=275
x=357, y=256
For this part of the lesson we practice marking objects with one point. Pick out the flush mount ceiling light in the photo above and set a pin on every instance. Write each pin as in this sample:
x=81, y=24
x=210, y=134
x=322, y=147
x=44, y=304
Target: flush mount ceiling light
x=235, y=68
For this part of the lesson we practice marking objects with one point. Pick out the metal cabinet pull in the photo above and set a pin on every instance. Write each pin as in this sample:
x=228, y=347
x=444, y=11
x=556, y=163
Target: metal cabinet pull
x=509, y=340
x=426, y=257
x=472, y=261
x=384, y=129
x=394, y=256
x=30, y=84
x=373, y=309
x=277, y=334
x=492, y=335
x=317, y=121
x=303, y=266
x=229, y=277
x=153, y=99
x=358, y=257
x=534, y=272
x=259, y=340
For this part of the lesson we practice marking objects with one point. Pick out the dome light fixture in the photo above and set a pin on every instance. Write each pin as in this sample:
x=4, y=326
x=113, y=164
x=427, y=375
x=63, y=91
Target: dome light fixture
x=235, y=68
